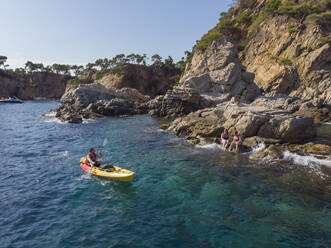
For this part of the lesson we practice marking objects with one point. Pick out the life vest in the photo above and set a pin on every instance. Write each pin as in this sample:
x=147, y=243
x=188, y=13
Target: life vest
x=93, y=156
x=236, y=138
x=225, y=136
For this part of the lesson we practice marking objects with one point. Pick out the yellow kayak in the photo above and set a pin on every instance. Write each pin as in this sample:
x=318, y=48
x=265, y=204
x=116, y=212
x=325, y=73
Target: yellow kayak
x=119, y=174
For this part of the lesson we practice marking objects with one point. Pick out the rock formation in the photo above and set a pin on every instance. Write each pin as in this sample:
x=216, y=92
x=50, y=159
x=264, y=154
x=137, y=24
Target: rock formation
x=281, y=80
x=151, y=80
x=95, y=100
x=291, y=57
x=213, y=76
x=205, y=126
x=36, y=84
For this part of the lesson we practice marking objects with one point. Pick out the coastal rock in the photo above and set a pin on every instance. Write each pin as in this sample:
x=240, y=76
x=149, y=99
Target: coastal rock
x=201, y=126
x=212, y=77
x=256, y=141
x=95, y=100
x=271, y=152
x=76, y=120
x=270, y=125
x=217, y=70
x=300, y=107
x=177, y=102
x=30, y=86
x=295, y=62
x=320, y=149
x=151, y=80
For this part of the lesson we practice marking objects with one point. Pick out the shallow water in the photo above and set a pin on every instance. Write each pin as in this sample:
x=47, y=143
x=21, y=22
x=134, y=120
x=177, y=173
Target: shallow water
x=182, y=196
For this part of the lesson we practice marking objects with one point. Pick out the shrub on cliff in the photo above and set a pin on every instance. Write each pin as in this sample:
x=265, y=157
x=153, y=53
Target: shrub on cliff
x=207, y=39
x=77, y=81
x=299, y=10
x=272, y=6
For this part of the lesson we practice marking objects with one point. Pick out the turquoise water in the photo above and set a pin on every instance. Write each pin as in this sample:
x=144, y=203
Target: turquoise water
x=182, y=196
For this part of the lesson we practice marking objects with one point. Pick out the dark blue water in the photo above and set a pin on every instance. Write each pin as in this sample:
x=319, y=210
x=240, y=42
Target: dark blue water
x=182, y=196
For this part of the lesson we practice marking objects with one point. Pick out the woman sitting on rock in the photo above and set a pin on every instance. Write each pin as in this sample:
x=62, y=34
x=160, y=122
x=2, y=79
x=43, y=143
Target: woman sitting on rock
x=236, y=142
x=225, y=139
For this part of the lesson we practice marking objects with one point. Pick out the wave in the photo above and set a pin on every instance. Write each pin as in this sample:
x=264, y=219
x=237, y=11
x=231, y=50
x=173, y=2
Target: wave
x=63, y=154
x=258, y=147
x=54, y=119
x=212, y=146
x=306, y=160
x=50, y=114
x=87, y=121
x=85, y=176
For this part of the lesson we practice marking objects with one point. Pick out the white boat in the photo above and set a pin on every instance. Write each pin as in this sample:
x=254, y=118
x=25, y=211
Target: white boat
x=11, y=100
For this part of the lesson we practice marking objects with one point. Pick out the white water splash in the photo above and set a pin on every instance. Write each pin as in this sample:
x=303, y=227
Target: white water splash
x=85, y=176
x=87, y=121
x=212, y=146
x=64, y=154
x=258, y=147
x=50, y=114
x=306, y=160
x=50, y=117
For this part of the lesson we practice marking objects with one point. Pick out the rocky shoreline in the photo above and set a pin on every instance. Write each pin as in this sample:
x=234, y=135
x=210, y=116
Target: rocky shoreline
x=200, y=106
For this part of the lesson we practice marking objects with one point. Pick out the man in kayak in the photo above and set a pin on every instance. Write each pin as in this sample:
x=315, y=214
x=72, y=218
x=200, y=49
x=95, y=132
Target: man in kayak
x=225, y=139
x=92, y=161
x=236, y=141
x=92, y=158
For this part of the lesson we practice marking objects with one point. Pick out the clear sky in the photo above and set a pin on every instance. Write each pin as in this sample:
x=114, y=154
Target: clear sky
x=81, y=31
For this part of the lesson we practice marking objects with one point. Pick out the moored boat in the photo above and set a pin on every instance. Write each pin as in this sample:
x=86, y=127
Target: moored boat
x=11, y=100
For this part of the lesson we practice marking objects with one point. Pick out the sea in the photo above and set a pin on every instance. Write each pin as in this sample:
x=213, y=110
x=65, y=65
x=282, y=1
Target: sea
x=182, y=196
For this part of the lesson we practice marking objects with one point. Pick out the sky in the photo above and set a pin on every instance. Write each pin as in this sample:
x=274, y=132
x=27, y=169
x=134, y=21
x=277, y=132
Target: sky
x=81, y=31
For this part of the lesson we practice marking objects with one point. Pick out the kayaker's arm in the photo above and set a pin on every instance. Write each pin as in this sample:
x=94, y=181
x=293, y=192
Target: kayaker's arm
x=90, y=161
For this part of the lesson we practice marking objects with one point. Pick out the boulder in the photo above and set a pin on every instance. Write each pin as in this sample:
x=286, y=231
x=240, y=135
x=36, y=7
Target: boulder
x=307, y=108
x=95, y=100
x=271, y=126
x=212, y=77
x=177, y=102
x=271, y=152
x=320, y=149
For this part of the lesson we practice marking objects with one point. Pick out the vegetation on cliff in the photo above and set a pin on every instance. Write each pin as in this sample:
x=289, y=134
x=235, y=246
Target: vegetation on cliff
x=242, y=21
x=96, y=70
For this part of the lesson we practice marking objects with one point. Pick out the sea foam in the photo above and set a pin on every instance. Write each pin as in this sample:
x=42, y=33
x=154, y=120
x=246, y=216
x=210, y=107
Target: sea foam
x=306, y=160
x=212, y=146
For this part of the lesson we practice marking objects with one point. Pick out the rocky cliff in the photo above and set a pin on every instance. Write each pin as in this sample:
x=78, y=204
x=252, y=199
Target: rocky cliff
x=276, y=63
x=291, y=57
x=281, y=77
x=213, y=77
x=30, y=86
x=148, y=80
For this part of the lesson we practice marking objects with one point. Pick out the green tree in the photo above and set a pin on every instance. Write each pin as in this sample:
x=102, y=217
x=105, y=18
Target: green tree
x=3, y=60
x=39, y=67
x=169, y=63
x=77, y=69
x=156, y=59
x=90, y=67
x=132, y=58
x=119, y=59
x=30, y=66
